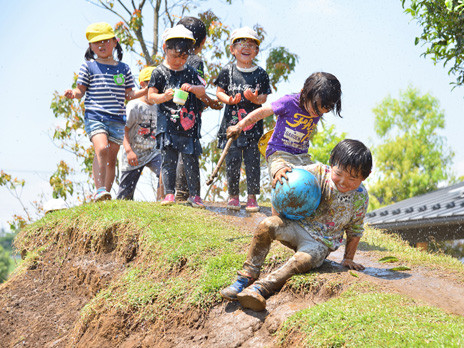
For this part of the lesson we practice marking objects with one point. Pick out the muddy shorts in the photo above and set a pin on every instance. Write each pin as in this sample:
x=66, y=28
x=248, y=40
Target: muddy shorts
x=281, y=159
x=293, y=235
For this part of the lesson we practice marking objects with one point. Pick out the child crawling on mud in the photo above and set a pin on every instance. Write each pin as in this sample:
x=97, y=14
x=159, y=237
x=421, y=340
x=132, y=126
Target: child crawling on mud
x=343, y=205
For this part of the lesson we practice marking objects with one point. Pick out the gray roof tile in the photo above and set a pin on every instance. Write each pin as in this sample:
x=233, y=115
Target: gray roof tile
x=442, y=204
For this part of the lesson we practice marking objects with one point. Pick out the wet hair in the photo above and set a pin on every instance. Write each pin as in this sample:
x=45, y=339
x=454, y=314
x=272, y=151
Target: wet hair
x=323, y=88
x=89, y=54
x=353, y=156
x=197, y=27
x=180, y=45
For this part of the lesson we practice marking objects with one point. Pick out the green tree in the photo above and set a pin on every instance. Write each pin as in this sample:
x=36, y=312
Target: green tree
x=442, y=22
x=4, y=264
x=323, y=141
x=413, y=157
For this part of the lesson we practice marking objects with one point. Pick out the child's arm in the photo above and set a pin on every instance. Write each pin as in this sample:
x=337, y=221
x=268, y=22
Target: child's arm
x=77, y=92
x=252, y=117
x=131, y=156
x=350, y=249
x=214, y=104
x=154, y=97
x=254, y=97
x=131, y=94
x=226, y=99
x=198, y=90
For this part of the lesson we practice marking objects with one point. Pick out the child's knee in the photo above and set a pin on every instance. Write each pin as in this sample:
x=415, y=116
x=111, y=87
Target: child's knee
x=101, y=149
x=304, y=262
x=269, y=226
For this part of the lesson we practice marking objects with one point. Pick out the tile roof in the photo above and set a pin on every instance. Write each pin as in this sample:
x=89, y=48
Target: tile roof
x=443, y=206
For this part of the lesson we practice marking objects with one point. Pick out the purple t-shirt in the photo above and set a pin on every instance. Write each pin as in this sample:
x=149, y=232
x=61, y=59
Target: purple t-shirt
x=293, y=126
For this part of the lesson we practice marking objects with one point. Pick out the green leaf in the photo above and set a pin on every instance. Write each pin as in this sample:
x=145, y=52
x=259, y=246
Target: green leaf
x=400, y=268
x=388, y=259
x=354, y=274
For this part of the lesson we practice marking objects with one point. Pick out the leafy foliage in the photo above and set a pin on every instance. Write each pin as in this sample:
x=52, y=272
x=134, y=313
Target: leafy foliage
x=4, y=264
x=413, y=158
x=279, y=62
x=323, y=142
x=443, y=32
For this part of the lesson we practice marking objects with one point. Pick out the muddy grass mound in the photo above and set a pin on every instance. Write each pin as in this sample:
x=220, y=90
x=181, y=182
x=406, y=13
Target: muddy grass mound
x=127, y=274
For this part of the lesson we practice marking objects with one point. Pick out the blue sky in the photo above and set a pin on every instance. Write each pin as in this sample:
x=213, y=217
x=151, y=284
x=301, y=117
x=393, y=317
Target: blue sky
x=368, y=45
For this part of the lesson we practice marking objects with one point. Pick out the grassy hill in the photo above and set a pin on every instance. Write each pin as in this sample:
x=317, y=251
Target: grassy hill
x=138, y=274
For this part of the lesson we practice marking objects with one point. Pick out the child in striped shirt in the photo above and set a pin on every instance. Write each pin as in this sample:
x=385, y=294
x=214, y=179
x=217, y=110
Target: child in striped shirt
x=106, y=83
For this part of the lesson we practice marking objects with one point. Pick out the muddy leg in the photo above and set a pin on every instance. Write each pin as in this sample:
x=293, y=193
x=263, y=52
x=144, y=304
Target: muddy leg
x=299, y=263
x=260, y=245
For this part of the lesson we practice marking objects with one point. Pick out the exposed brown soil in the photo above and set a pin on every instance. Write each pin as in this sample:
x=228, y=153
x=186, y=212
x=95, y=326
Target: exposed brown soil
x=40, y=308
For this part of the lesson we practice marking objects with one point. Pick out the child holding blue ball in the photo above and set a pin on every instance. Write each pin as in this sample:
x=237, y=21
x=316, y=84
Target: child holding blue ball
x=297, y=118
x=342, y=209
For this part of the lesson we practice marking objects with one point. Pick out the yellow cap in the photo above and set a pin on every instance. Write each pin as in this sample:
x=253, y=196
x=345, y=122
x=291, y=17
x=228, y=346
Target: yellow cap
x=145, y=74
x=99, y=31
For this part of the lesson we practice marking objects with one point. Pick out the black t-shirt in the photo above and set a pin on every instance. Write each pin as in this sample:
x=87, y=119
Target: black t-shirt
x=234, y=81
x=197, y=63
x=172, y=118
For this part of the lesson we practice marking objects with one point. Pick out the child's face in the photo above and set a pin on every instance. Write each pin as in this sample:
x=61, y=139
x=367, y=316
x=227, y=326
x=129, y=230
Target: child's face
x=316, y=113
x=175, y=60
x=104, y=48
x=346, y=179
x=245, y=51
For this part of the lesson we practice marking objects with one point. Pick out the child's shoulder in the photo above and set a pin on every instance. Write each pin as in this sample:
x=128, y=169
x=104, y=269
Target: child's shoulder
x=288, y=100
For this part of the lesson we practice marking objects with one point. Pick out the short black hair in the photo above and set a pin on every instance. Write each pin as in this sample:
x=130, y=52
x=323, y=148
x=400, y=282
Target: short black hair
x=324, y=88
x=197, y=27
x=180, y=45
x=352, y=155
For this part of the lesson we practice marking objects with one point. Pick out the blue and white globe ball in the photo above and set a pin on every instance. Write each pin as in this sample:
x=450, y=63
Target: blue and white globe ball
x=299, y=196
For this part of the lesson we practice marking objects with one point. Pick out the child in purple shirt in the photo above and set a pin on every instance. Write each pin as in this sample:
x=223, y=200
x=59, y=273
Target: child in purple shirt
x=297, y=118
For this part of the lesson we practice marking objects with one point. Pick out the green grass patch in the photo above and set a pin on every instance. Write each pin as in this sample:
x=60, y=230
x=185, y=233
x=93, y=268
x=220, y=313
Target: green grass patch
x=363, y=317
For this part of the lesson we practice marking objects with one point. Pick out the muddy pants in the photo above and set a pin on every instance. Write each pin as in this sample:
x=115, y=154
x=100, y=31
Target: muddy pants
x=281, y=159
x=309, y=253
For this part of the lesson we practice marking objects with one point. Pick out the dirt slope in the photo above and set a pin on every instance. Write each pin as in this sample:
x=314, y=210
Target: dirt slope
x=40, y=308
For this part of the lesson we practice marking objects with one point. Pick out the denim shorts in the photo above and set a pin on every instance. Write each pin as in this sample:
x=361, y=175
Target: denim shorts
x=114, y=130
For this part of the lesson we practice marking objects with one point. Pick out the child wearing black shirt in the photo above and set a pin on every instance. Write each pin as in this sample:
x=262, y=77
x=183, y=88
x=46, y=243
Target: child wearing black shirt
x=243, y=87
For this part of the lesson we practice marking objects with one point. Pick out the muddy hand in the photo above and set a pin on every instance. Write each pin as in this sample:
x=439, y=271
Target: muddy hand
x=352, y=265
x=215, y=104
x=281, y=173
x=233, y=132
